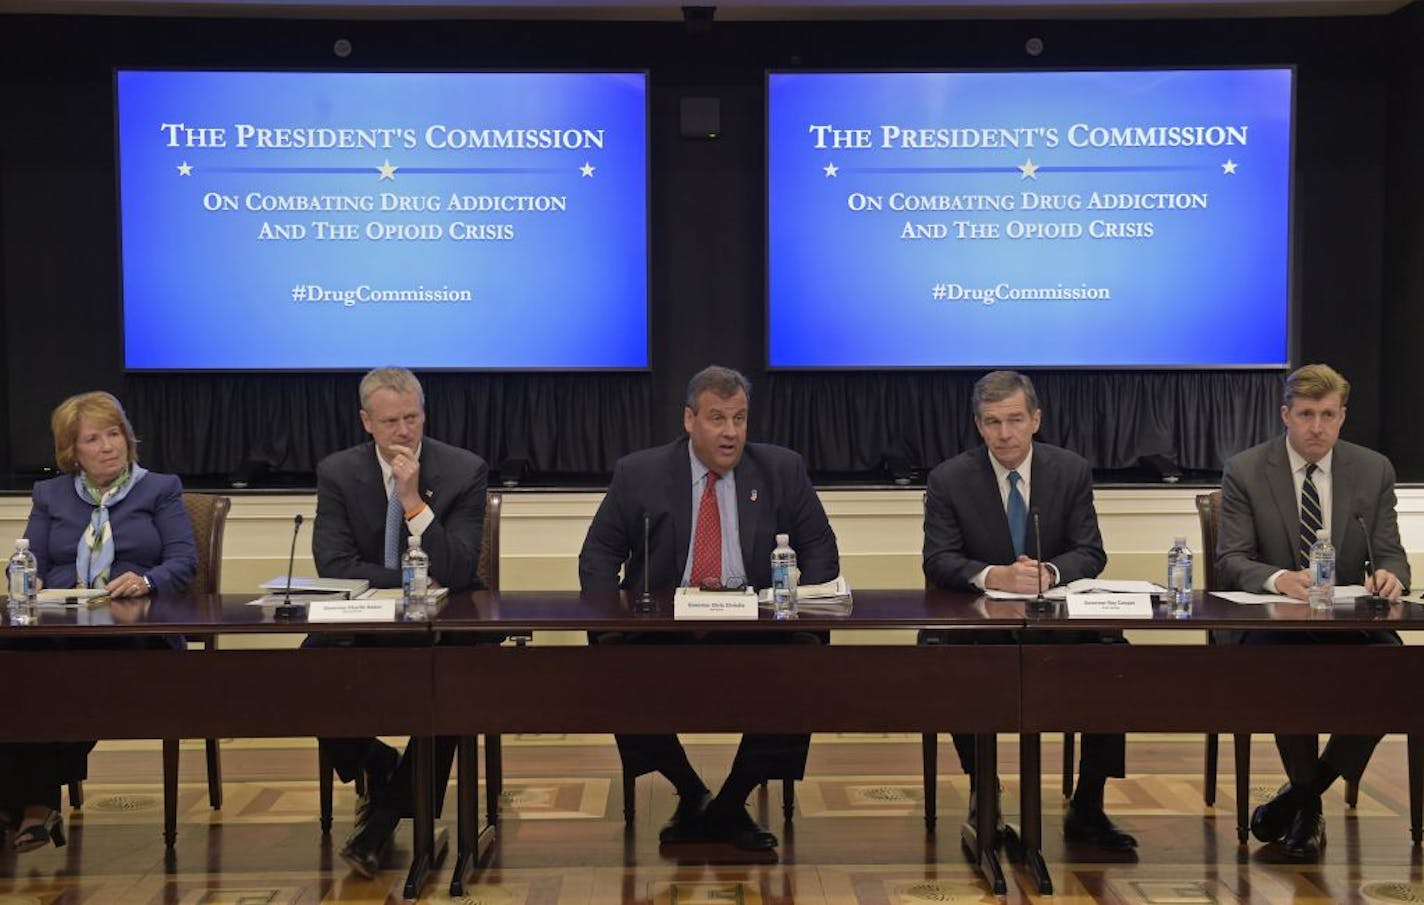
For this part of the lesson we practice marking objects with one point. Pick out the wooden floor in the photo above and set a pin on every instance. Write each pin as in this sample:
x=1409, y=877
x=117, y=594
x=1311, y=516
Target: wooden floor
x=857, y=837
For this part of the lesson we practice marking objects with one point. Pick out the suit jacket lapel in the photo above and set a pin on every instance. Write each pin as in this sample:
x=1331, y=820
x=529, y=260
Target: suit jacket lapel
x=429, y=473
x=1278, y=475
x=749, y=507
x=372, y=494
x=990, y=507
x=1341, y=512
x=679, y=497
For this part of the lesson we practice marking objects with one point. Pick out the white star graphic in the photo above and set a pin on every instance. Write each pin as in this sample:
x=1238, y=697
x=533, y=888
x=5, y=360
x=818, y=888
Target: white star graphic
x=587, y=170
x=1028, y=169
x=831, y=170
x=184, y=169
x=1228, y=168
x=387, y=171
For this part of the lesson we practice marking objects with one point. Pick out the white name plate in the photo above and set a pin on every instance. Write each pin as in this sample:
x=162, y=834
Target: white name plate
x=1109, y=606
x=352, y=611
x=694, y=604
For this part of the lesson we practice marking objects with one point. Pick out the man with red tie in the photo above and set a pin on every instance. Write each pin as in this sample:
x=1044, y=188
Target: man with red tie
x=712, y=505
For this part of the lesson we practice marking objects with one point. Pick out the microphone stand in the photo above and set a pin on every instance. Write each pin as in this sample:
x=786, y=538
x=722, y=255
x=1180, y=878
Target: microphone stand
x=644, y=606
x=1373, y=600
x=1040, y=604
x=286, y=609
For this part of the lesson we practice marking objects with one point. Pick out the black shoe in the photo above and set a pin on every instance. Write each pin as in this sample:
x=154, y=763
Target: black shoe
x=1097, y=829
x=1306, y=836
x=369, y=838
x=1270, y=821
x=973, y=819
x=685, y=825
x=736, y=827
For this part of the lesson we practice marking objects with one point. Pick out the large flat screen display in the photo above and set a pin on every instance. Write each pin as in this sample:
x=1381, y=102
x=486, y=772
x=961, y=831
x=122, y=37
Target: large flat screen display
x=1052, y=219
x=322, y=220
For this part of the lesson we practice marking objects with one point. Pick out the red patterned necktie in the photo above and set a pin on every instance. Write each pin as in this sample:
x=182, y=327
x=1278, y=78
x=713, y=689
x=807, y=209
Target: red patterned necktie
x=707, y=541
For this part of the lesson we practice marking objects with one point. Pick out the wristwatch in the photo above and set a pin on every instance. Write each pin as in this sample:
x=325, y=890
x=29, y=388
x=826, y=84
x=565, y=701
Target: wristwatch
x=147, y=583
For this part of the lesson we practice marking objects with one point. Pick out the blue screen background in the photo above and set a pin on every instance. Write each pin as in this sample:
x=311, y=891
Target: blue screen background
x=202, y=291
x=1210, y=288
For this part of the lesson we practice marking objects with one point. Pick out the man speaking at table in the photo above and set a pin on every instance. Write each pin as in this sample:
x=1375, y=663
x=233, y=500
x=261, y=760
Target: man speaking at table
x=979, y=536
x=712, y=505
x=369, y=500
x=1274, y=498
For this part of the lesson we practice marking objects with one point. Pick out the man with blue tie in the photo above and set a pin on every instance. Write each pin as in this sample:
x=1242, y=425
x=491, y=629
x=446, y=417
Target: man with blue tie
x=1274, y=498
x=369, y=500
x=979, y=536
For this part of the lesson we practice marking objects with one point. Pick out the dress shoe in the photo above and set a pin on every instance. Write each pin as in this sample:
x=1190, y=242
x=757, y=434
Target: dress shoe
x=32, y=834
x=1306, y=836
x=1270, y=821
x=685, y=825
x=1096, y=829
x=736, y=827
x=374, y=827
x=973, y=819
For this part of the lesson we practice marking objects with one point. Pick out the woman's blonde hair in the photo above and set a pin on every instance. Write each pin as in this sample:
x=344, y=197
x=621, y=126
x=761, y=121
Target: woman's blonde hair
x=99, y=407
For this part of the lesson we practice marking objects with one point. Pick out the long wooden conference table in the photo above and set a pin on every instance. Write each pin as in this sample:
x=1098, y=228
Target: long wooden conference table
x=423, y=689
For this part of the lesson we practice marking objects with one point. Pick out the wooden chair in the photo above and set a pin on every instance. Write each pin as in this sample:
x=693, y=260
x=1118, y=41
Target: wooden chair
x=208, y=514
x=488, y=570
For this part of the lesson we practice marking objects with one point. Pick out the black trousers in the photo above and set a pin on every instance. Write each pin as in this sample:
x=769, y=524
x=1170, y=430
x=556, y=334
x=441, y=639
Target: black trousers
x=760, y=755
x=1300, y=754
x=348, y=756
x=1102, y=754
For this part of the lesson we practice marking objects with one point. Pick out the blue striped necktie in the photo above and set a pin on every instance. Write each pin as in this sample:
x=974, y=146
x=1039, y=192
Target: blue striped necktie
x=1018, y=514
x=394, y=516
x=1310, y=515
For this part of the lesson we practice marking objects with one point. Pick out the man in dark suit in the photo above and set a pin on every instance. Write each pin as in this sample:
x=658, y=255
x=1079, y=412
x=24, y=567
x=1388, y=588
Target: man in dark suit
x=978, y=536
x=714, y=505
x=369, y=500
x=1274, y=498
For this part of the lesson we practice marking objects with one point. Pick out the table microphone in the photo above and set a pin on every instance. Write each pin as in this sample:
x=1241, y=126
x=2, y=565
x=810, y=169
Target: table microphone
x=645, y=602
x=286, y=609
x=1373, y=600
x=1040, y=603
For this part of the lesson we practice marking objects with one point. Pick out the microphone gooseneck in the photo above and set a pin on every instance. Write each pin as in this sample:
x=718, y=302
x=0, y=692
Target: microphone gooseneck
x=1374, y=598
x=287, y=609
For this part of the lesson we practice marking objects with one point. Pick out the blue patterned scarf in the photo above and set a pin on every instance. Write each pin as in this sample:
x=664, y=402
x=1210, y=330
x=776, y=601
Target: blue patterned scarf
x=96, y=546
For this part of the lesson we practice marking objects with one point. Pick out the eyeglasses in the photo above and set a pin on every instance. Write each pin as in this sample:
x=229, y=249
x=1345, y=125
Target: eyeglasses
x=733, y=583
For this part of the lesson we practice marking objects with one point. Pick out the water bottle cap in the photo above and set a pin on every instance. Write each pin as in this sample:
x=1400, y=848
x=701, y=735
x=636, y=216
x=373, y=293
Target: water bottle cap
x=783, y=540
x=1179, y=541
x=414, y=542
x=22, y=543
x=1322, y=534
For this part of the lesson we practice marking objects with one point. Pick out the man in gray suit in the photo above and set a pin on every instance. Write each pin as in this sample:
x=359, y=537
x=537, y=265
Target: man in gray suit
x=1274, y=497
x=979, y=536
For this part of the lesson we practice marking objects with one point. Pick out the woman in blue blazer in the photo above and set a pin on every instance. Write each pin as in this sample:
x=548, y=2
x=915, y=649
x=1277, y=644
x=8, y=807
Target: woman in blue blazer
x=107, y=522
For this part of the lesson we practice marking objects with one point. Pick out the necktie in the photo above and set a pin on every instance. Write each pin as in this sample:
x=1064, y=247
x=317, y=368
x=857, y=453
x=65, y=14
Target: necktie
x=707, y=540
x=394, y=516
x=1310, y=517
x=1018, y=513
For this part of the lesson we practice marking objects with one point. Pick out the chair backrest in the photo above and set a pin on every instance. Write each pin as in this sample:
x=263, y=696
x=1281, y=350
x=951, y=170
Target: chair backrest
x=1209, y=513
x=208, y=513
x=489, y=547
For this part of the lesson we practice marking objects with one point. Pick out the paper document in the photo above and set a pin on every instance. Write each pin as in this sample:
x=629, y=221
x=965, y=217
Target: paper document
x=837, y=587
x=1248, y=597
x=1114, y=586
x=1058, y=593
x=432, y=594
x=309, y=585
x=70, y=595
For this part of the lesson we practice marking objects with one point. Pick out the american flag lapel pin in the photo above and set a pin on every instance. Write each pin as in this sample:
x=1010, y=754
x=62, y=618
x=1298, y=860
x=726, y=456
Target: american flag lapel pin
x=429, y=493
x=752, y=496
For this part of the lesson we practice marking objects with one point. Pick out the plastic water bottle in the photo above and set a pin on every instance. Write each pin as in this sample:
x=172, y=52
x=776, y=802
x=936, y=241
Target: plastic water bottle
x=23, y=573
x=1322, y=572
x=783, y=578
x=415, y=578
x=1179, y=578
